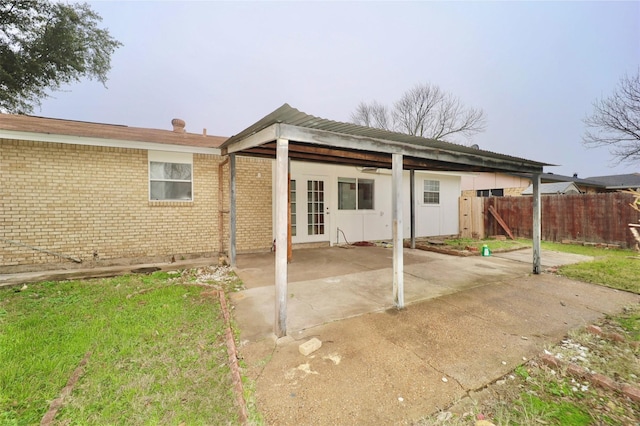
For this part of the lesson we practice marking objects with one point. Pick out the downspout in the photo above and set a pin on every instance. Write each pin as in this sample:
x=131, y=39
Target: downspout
x=221, y=210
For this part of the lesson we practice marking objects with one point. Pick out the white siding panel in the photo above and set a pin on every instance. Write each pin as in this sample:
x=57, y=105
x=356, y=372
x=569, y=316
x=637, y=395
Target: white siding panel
x=441, y=219
x=369, y=225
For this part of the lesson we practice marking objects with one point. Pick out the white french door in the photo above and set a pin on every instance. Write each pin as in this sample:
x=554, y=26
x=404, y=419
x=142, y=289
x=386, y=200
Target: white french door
x=309, y=209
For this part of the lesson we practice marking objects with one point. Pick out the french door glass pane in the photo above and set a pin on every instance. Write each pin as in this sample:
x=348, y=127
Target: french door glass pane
x=315, y=207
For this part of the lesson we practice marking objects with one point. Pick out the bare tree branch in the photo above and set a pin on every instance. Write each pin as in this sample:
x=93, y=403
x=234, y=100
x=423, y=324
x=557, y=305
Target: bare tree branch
x=425, y=111
x=372, y=115
x=615, y=122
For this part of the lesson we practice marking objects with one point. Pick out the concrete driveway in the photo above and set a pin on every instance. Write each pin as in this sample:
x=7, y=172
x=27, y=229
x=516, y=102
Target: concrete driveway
x=468, y=322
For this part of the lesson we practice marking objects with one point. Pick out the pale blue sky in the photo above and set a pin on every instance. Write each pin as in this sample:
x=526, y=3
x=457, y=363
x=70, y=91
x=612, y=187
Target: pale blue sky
x=534, y=67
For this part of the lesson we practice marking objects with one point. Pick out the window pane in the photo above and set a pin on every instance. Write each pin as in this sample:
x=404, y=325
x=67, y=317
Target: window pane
x=170, y=171
x=171, y=190
x=432, y=185
x=431, y=192
x=346, y=194
x=156, y=170
x=365, y=194
x=432, y=198
x=178, y=171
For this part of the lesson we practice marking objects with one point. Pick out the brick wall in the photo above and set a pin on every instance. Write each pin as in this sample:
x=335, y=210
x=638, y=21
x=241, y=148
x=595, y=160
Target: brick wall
x=254, y=204
x=80, y=200
x=514, y=192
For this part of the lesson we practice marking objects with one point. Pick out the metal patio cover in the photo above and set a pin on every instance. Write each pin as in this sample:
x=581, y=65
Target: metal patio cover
x=288, y=134
x=317, y=139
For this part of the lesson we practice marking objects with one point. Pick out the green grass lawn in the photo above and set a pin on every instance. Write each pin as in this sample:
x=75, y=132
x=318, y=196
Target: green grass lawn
x=157, y=353
x=614, y=268
x=611, y=267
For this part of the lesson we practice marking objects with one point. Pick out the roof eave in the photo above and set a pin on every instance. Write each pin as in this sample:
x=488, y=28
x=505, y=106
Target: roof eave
x=477, y=158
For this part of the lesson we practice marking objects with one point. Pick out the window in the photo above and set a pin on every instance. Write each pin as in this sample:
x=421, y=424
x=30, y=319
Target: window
x=170, y=176
x=355, y=194
x=490, y=192
x=431, y=194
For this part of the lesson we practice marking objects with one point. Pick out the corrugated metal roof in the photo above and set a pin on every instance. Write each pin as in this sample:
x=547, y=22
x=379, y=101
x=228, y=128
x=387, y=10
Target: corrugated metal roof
x=289, y=115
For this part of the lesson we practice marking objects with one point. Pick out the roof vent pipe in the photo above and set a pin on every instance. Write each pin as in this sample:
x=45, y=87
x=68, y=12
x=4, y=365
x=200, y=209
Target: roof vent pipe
x=178, y=125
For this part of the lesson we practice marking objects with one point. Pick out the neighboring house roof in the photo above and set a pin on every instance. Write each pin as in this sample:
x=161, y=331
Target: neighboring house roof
x=627, y=181
x=53, y=126
x=552, y=177
x=554, y=188
x=370, y=147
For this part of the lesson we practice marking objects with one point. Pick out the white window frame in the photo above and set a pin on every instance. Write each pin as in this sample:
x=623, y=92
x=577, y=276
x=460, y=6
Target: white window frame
x=170, y=157
x=357, y=199
x=431, y=191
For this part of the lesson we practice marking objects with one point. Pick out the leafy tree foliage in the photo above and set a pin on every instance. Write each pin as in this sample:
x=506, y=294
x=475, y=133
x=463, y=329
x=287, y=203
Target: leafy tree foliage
x=425, y=110
x=44, y=46
x=615, y=122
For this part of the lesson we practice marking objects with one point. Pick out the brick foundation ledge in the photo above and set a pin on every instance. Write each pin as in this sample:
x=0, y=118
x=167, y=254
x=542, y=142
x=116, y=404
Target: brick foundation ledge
x=600, y=380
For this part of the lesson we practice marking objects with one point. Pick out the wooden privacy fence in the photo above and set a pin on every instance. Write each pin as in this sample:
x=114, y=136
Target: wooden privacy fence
x=471, y=217
x=598, y=218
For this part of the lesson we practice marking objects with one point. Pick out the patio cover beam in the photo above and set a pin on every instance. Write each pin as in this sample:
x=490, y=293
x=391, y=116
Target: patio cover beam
x=348, y=145
x=360, y=143
x=305, y=152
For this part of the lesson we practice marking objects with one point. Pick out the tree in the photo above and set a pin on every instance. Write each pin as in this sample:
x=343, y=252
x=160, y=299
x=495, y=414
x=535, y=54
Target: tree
x=426, y=111
x=615, y=122
x=45, y=45
x=372, y=115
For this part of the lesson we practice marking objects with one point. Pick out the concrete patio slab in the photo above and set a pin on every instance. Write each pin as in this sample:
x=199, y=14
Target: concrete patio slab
x=334, y=283
x=468, y=322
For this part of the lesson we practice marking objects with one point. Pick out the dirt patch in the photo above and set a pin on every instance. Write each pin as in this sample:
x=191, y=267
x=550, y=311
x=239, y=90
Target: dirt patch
x=592, y=373
x=366, y=381
x=98, y=262
x=463, y=248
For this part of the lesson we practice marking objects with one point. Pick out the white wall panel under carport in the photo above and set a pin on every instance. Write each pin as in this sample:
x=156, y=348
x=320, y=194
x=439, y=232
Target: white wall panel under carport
x=375, y=224
x=432, y=219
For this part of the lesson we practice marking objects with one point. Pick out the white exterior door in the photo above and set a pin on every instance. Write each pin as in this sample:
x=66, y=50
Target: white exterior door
x=309, y=209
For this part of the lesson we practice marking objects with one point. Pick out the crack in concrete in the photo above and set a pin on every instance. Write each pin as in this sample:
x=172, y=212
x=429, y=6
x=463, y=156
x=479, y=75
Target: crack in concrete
x=444, y=374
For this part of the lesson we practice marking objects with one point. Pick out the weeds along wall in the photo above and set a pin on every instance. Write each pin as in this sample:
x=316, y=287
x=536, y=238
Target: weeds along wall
x=92, y=203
